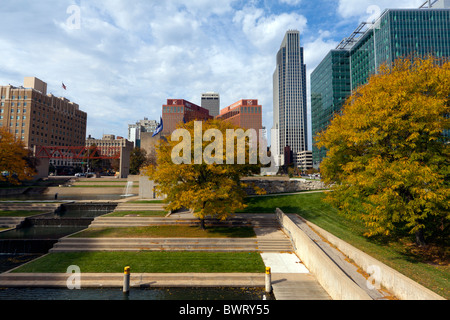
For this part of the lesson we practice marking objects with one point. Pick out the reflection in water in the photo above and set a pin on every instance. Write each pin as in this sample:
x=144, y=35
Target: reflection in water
x=135, y=294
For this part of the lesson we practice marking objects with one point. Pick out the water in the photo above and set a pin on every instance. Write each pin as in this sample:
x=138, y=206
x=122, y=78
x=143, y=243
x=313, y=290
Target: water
x=128, y=189
x=65, y=197
x=201, y=294
x=38, y=235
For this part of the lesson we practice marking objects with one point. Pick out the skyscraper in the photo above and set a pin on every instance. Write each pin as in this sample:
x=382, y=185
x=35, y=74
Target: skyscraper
x=396, y=33
x=289, y=100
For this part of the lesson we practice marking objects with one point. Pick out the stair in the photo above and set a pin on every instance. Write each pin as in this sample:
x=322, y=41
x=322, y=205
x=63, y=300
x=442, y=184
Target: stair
x=172, y=244
x=10, y=222
x=24, y=206
x=140, y=206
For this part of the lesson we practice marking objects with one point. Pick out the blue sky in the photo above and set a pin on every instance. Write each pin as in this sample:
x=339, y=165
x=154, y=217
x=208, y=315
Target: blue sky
x=121, y=60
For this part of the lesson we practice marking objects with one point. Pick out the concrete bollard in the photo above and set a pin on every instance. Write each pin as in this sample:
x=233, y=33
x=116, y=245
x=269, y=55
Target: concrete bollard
x=268, y=280
x=126, y=280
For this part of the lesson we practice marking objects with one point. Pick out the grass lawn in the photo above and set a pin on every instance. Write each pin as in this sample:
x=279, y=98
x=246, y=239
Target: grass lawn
x=20, y=213
x=145, y=213
x=167, y=232
x=148, y=262
x=399, y=254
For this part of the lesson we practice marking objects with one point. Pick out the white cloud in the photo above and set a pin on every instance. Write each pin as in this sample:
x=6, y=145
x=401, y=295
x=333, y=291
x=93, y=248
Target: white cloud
x=291, y=2
x=267, y=31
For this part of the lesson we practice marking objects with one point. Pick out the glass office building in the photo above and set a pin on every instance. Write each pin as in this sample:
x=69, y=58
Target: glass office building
x=396, y=33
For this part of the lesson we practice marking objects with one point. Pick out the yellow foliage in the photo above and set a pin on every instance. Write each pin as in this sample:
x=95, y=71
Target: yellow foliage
x=387, y=155
x=13, y=166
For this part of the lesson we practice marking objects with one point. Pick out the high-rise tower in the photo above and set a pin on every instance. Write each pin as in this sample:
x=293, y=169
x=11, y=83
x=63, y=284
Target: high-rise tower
x=289, y=100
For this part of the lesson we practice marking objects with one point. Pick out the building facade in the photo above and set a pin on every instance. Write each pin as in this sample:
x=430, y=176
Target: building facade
x=177, y=111
x=289, y=101
x=40, y=119
x=135, y=130
x=245, y=114
x=396, y=33
x=211, y=102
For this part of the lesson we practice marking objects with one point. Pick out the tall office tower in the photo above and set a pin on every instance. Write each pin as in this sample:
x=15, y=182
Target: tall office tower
x=211, y=102
x=396, y=33
x=289, y=100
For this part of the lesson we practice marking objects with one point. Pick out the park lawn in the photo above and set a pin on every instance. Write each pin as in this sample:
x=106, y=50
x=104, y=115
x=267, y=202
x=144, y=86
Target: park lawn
x=399, y=254
x=148, y=262
x=144, y=213
x=20, y=213
x=167, y=232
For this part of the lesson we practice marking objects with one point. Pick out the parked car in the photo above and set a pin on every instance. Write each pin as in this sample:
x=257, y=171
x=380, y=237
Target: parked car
x=80, y=174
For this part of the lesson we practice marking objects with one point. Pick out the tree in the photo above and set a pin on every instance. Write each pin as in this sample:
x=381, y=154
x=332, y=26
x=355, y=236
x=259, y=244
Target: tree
x=15, y=162
x=388, y=154
x=209, y=189
x=138, y=159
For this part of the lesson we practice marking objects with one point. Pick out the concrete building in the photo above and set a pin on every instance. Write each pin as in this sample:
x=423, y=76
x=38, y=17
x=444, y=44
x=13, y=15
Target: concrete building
x=305, y=160
x=211, y=102
x=246, y=114
x=109, y=144
x=40, y=119
x=395, y=33
x=135, y=130
x=177, y=111
x=289, y=100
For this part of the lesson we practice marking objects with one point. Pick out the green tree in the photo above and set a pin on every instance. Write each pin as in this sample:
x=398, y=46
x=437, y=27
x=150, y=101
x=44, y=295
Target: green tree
x=209, y=189
x=138, y=159
x=388, y=156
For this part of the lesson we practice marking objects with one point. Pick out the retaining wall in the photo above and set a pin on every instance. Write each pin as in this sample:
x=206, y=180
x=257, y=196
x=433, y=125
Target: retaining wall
x=401, y=286
x=329, y=275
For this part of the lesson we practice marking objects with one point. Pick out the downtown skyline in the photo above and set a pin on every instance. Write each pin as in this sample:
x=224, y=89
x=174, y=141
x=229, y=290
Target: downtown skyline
x=121, y=62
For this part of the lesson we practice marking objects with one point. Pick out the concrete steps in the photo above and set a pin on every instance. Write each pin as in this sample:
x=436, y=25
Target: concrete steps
x=172, y=244
x=140, y=206
x=10, y=222
x=23, y=206
x=105, y=222
x=137, y=280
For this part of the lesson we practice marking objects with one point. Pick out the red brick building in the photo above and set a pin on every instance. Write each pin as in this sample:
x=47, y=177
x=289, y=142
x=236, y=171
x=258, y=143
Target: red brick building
x=246, y=114
x=178, y=111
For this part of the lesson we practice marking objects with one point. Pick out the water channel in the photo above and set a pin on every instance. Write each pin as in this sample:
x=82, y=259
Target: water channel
x=37, y=235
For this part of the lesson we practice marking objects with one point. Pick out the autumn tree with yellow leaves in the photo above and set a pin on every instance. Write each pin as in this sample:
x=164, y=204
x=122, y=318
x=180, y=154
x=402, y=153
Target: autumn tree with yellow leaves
x=15, y=164
x=185, y=176
x=388, y=151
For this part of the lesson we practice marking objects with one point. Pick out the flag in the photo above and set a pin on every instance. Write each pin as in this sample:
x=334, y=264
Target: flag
x=64, y=86
x=158, y=129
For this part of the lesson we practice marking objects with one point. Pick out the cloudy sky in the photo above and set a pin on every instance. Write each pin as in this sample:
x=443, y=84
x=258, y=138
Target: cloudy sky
x=121, y=60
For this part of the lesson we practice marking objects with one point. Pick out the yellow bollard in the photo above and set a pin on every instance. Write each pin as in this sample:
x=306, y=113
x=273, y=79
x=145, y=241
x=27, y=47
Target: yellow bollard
x=268, y=280
x=126, y=280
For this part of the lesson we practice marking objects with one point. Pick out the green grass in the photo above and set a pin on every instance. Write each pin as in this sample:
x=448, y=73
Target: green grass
x=145, y=213
x=396, y=253
x=20, y=213
x=167, y=232
x=148, y=262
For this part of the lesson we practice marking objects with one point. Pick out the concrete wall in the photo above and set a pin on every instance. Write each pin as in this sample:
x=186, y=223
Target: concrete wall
x=329, y=275
x=401, y=286
x=274, y=186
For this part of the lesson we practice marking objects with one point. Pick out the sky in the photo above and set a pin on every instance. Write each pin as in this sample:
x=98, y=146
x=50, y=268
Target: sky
x=121, y=60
